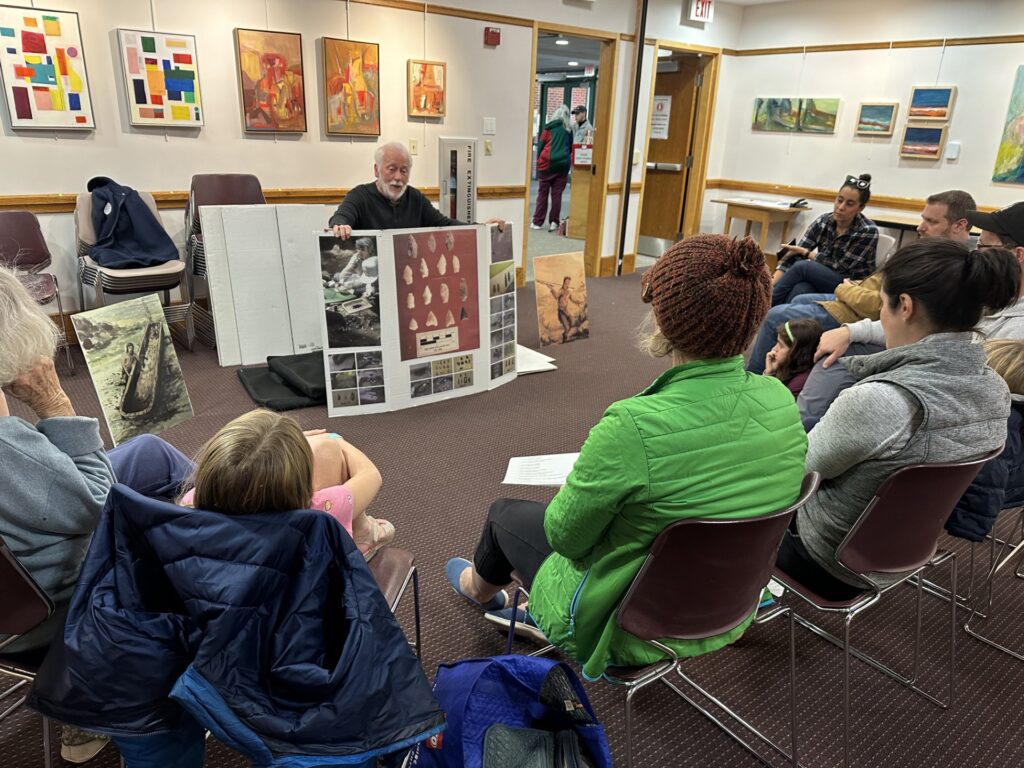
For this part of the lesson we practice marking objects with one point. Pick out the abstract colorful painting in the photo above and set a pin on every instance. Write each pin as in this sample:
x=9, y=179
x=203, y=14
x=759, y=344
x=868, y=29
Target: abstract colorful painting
x=923, y=142
x=776, y=114
x=270, y=76
x=43, y=69
x=931, y=102
x=161, y=75
x=876, y=118
x=1010, y=156
x=427, y=90
x=351, y=87
x=818, y=115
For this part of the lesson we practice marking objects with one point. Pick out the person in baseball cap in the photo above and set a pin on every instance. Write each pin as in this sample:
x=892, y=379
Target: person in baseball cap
x=581, y=126
x=1007, y=224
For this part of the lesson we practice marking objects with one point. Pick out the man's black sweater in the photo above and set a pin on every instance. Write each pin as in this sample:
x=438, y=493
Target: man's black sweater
x=364, y=207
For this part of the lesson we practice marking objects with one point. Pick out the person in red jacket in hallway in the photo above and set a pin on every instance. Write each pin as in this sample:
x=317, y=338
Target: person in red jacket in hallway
x=553, y=150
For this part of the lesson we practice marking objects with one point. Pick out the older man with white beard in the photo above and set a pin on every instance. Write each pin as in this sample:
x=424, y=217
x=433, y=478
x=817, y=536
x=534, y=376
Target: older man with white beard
x=390, y=202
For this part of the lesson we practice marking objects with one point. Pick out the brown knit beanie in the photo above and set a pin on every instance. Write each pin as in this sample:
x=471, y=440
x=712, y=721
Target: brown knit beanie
x=709, y=293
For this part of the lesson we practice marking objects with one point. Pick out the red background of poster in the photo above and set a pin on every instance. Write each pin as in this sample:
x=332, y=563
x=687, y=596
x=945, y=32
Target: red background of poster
x=465, y=249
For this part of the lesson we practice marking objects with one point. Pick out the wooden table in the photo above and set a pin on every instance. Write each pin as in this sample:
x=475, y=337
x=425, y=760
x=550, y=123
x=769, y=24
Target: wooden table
x=754, y=211
x=903, y=223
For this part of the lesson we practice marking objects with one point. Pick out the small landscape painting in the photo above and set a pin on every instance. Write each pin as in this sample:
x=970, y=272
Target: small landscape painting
x=923, y=142
x=772, y=114
x=818, y=115
x=877, y=118
x=931, y=102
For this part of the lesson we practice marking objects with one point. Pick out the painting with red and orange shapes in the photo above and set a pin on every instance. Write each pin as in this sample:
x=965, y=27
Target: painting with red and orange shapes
x=43, y=69
x=351, y=87
x=270, y=76
x=427, y=91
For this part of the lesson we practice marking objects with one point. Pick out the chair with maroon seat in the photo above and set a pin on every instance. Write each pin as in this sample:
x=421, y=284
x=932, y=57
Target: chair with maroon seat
x=23, y=249
x=393, y=569
x=212, y=189
x=23, y=606
x=702, y=578
x=898, y=534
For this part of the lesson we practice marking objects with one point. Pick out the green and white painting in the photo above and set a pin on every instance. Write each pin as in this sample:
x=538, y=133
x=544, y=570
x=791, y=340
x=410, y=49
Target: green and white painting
x=1010, y=155
x=131, y=360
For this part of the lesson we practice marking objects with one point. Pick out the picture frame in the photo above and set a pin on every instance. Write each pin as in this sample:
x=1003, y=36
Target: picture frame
x=1009, y=163
x=350, y=87
x=161, y=78
x=931, y=102
x=923, y=141
x=427, y=88
x=877, y=118
x=43, y=69
x=271, y=82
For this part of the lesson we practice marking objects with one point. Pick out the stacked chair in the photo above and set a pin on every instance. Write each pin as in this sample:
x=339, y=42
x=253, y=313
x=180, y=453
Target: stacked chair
x=212, y=189
x=23, y=249
x=161, y=277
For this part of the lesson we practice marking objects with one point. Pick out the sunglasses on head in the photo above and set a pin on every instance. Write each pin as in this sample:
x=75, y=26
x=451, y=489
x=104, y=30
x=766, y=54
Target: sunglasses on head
x=853, y=181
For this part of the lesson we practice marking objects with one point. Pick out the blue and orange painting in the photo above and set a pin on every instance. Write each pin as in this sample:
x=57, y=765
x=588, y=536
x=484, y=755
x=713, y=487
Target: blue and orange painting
x=932, y=103
x=876, y=119
x=922, y=141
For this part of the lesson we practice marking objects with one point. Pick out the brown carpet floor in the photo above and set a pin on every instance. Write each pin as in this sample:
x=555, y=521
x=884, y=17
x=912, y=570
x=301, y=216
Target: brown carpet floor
x=442, y=465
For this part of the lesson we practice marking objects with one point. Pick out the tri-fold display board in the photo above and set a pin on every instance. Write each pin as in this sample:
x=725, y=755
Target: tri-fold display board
x=404, y=317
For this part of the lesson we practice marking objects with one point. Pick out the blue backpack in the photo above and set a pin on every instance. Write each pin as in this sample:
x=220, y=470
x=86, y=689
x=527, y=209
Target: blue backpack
x=500, y=708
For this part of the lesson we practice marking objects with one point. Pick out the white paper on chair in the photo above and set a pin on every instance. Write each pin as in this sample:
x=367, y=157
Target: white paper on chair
x=551, y=469
x=531, y=361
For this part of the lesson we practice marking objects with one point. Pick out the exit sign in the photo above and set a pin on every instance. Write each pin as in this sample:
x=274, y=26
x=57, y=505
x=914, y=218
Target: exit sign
x=702, y=10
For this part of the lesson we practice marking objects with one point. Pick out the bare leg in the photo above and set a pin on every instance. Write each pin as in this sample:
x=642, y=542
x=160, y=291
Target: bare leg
x=473, y=585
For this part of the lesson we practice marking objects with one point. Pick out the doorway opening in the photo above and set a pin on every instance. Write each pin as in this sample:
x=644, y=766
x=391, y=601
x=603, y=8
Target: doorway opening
x=566, y=75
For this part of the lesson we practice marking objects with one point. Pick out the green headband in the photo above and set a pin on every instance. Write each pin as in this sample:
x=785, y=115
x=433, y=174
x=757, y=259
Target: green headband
x=789, y=332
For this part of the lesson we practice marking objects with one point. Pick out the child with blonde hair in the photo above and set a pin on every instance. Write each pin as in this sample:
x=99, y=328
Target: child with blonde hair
x=263, y=462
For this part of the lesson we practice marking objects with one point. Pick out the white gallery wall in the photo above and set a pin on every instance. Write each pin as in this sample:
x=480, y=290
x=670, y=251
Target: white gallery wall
x=482, y=82
x=983, y=75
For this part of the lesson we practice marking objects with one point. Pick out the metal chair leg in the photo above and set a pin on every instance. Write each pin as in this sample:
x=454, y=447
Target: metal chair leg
x=416, y=609
x=846, y=689
x=1003, y=561
x=47, y=757
x=63, y=331
x=629, y=726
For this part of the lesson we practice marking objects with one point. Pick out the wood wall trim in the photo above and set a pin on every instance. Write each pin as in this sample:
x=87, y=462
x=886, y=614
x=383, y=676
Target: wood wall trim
x=64, y=202
x=934, y=42
x=402, y=5
x=828, y=195
x=491, y=18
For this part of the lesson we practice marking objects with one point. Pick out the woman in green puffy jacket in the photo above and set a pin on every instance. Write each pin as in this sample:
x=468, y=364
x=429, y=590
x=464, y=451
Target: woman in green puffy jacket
x=706, y=439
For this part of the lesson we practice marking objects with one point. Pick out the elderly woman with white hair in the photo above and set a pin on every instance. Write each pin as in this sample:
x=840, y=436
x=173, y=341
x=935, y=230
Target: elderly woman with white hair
x=63, y=474
x=47, y=517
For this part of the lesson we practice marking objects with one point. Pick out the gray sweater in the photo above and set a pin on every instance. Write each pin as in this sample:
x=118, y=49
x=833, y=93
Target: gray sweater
x=930, y=402
x=55, y=481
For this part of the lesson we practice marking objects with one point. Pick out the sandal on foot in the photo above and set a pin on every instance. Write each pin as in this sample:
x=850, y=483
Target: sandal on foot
x=453, y=570
x=383, y=534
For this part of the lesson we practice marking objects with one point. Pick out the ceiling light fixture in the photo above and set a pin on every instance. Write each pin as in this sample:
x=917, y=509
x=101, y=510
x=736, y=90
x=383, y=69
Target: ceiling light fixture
x=574, y=63
x=561, y=41
x=664, y=53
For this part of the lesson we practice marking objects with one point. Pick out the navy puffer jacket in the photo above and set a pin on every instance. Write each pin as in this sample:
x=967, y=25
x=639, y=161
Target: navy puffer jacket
x=998, y=486
x=269, y=630
x=128, y=235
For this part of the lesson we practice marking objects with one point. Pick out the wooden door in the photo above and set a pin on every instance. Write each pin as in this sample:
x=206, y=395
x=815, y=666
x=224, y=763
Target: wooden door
x=665, y=186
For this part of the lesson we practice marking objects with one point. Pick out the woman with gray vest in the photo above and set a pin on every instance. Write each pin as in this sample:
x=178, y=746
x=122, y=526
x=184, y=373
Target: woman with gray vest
x=929, y=398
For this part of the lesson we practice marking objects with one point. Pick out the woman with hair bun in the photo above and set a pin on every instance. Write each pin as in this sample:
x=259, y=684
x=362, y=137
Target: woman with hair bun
x=837, y=246
x=704, y=440
x=929, y=398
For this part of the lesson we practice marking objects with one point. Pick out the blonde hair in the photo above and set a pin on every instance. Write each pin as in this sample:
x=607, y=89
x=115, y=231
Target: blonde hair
x=26, y=333
x=259, y=462
x=651, y=340
x=1006, y=357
